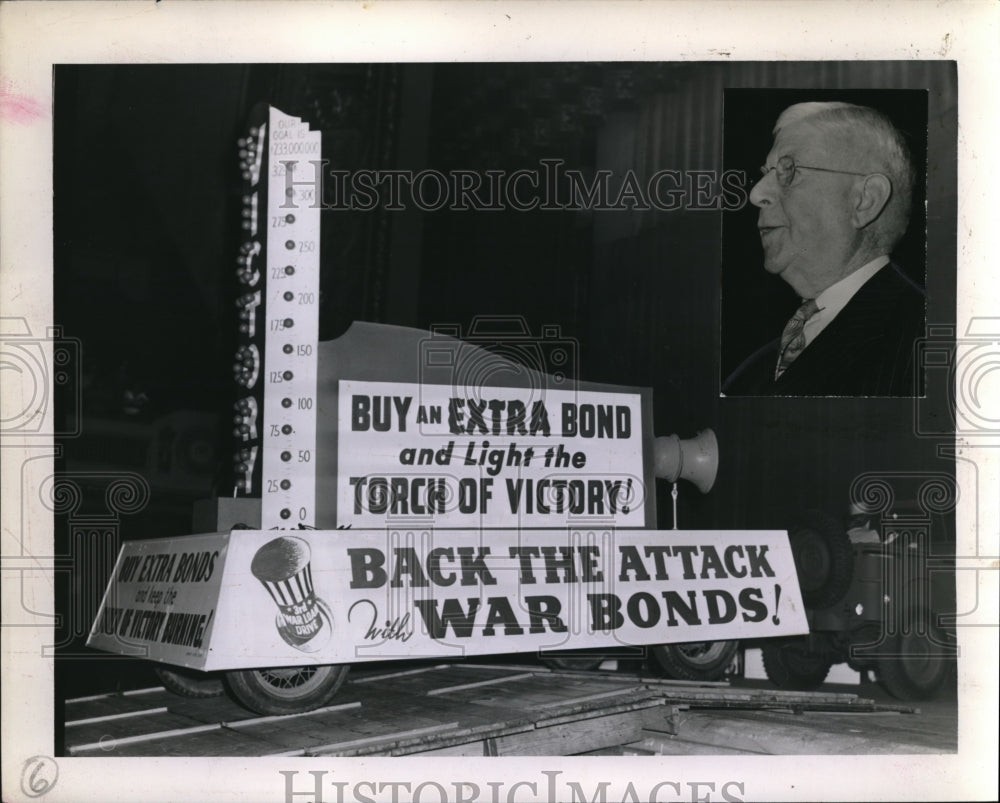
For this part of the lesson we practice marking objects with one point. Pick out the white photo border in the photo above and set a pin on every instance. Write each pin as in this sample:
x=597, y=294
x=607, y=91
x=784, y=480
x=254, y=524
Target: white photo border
x=36, y=35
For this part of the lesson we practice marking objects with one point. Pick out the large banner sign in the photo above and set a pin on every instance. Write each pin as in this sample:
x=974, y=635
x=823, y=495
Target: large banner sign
x=313, y=596
x=508, y=457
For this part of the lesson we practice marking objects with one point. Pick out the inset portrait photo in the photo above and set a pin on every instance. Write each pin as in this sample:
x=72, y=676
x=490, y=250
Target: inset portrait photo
x=824, y=278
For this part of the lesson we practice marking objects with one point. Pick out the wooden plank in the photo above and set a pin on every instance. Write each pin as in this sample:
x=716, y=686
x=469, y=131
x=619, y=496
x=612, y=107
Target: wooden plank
x=224, y=709
x=290, y=733
x=451, y=689
x=383, y=744
x=421, y=683
x=533, y=692
x=142, y=692
x=311, y=734
x=781, y=694
x=646, y=707
x=755, y=698
x=92, y=698
x=475, y=710
x=540, y=668
x=476, y=737
x=792, y=735
x=788, y=700
x=107, y=734
x=374, y=678
x=716, y=684
x=218, y=742
x=286, y=717
x=379, y=718
x=670, y=745
x=109, y=743
x=286, y=739
x=383, y=719
x=569, y=738
x=562, y=734
x=668, y=724
x=635, y=699
x=465, y=750
x=73, y=723
x=725, y=689
x=855, y=708
x=890, y=727
x=210, y=709
x=105, y=704
x=102, y=706
x=586, y=698
x=849, y=707
x=560, y=738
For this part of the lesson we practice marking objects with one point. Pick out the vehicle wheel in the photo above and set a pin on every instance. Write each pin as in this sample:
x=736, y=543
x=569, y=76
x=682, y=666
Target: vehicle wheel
x=695, y=660
x=286, y=690
x=573, y=663
x=824, y=558
x=917, y=663
x=790, y=665
x=190, y=682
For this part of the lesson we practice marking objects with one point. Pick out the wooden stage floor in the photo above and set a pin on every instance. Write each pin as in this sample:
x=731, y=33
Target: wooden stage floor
x=477, y=709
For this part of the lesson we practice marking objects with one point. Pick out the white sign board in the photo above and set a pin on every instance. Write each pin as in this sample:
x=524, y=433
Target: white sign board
x=161, y=600
x=313, y=596
x=508, y=457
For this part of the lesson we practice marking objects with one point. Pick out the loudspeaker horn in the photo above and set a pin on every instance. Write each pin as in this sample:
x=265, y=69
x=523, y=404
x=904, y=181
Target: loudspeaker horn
x=695, y=459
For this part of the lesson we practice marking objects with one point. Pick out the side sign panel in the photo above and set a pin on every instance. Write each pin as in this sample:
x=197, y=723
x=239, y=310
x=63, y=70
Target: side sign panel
x=162, y=600
x=315, y=596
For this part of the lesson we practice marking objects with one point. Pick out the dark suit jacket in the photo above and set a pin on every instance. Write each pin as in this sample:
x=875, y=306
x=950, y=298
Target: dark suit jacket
x=867, y=350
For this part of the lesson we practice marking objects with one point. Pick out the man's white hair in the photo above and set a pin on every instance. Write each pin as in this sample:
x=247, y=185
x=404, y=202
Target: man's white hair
x=872, y=135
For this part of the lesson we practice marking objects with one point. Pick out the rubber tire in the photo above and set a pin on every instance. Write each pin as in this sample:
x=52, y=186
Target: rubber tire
x=922, y=662
x=695, y=660
x=286, y=690
x=575, y=663
x=788, y=665
x=190, y=682
x=824, y=558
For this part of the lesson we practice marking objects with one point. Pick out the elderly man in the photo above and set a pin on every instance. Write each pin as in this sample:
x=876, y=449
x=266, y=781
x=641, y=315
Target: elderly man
x=834, y=200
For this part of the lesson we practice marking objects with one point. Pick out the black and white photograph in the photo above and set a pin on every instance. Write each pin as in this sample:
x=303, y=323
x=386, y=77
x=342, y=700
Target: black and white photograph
x=620, y=420
x=831, y=262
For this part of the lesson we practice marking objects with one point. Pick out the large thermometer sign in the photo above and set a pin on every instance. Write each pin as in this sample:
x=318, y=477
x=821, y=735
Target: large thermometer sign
x=276, y=361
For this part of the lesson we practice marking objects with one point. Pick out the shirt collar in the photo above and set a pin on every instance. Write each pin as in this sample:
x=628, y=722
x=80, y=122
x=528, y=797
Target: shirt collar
x=832, y=300
x=835, y=297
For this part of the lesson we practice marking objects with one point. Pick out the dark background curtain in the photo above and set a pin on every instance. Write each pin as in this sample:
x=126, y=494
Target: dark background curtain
x=147, y=202
x=147, y=198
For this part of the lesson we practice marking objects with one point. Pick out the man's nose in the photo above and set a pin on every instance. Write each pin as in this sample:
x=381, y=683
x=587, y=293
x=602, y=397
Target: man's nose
x=762, y=193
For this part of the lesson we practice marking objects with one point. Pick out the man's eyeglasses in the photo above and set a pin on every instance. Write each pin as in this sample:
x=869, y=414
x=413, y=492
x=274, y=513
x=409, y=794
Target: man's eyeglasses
x=784, y=170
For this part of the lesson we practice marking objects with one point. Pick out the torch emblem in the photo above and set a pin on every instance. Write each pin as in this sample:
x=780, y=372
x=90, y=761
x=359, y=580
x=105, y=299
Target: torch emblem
x=284, y=568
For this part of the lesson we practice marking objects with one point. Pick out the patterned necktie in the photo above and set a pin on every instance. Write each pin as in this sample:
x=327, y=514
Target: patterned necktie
x=793, y=338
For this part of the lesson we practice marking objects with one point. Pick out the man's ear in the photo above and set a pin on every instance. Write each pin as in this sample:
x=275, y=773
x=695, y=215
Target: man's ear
x=871, y=200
